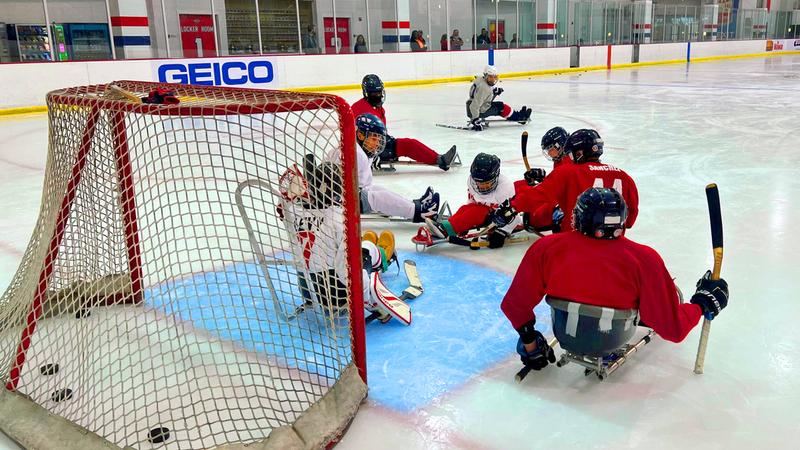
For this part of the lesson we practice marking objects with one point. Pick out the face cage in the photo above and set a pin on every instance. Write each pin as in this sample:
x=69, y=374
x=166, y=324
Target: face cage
x=372, y=137
x=548, y=152
x=490, y=185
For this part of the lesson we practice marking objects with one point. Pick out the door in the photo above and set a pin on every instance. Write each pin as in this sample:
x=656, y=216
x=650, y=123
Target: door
x=340, y=41
x=197, y=35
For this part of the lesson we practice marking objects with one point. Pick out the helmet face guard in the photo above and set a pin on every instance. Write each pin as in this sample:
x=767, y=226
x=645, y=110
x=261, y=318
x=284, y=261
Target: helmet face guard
x=553, y=152
x=371, y=142
x=485, y=186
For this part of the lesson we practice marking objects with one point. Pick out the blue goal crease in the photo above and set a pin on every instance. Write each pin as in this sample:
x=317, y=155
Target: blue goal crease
x=457, y=332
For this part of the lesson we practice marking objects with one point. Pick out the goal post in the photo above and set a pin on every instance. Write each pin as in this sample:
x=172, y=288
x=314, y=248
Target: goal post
x=142, y=311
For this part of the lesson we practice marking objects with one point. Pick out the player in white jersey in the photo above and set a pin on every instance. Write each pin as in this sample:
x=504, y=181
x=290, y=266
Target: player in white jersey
x=312, y=214
x=486, y=188
x=482, y=104
x=371, y=137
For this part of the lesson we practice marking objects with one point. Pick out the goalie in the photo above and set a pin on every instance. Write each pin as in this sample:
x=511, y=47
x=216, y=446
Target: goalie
x=314, y=220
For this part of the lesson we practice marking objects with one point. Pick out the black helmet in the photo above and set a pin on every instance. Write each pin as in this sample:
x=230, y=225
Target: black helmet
x=588, y=142
x=555, y=138
x=484, y=173
x=372, y=89
x=600, y=213
x=325, y=185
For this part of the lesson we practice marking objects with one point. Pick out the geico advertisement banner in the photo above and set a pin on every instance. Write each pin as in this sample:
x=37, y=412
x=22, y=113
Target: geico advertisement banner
x=783, y=44
x=257, y=72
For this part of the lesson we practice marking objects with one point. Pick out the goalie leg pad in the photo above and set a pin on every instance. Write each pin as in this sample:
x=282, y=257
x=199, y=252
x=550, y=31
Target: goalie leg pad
x=390, y=302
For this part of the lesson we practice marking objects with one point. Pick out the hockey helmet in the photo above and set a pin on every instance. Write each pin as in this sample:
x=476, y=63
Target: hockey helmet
x=484, y=173
x=325, y=185
x=554, y=142
x=373, y=90
x=370, y=134
x=584, y=144
x=600, y=213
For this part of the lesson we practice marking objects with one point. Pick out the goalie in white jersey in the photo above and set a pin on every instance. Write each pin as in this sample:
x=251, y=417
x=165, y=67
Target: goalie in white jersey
x=313, y=215
x=371, y=137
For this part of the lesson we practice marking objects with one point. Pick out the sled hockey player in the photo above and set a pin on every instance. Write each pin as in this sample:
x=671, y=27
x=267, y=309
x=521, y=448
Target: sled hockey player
x=597, y=265
x=314, y=220
x=487, y=188
x=371, y=137
x=482, y=104
x=554, y=143
x=564, y=185
x=374, y=95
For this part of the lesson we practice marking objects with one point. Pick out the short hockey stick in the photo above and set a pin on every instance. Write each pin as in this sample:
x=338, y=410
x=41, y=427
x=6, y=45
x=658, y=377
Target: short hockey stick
x=715, y=218
x=524, y=146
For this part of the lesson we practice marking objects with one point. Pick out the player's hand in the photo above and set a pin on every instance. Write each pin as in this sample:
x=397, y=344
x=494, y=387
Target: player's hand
x=558, y=215
x=535, y=175
x=478, y=124
x=538, y=358
x=504, y=214
x=497, y=238
x=497, y=91
x=711, y=295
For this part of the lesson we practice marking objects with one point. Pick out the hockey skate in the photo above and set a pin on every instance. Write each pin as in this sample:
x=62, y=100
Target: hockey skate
x=522, y=116
x=426, y=206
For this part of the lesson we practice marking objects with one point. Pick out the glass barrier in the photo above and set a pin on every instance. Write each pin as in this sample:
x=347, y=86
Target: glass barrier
x=79, y=30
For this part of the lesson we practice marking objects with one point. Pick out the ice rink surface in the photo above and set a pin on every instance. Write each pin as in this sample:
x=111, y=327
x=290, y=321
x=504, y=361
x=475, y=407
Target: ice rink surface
x=674, y=129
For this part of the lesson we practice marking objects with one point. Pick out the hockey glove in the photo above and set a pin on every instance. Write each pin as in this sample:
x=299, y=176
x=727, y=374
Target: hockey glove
x=711, y=295
x=497, y=238
x=161, y=96
x=558, y=215
x=534, y=176
x=504, y=214
x=539, y=358
x=497, y=91
x=478, y=124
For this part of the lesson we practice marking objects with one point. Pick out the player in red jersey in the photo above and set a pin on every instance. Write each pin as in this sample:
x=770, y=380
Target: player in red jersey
x=597, y=265
x=372, y=103
x=564, y=184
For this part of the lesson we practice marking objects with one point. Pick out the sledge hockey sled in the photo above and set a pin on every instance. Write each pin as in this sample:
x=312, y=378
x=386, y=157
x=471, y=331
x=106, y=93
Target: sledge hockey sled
x=443, y=214
x=595, y=337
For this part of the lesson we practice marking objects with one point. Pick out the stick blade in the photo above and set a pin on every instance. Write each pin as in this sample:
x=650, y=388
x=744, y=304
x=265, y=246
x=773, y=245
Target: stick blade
x=714, y=215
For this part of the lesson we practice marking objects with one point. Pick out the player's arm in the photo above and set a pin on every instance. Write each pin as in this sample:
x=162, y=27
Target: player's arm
x=529, y=200
x=660, y=306
x=527, y=288
x=475, y=100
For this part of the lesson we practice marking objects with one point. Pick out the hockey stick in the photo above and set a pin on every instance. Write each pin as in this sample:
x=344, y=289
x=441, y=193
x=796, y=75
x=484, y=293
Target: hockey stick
x=715, y=218
x=524, y=146
x=525, y=370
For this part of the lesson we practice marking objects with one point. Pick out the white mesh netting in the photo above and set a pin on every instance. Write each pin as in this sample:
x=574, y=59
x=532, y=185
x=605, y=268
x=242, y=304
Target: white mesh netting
x=162, y=282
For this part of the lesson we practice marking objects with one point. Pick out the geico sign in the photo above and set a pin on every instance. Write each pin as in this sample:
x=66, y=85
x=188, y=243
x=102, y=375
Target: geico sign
x=230, y=73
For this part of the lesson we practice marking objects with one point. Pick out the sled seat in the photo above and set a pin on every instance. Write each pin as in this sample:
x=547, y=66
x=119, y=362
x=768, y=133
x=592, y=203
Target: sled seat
x=591, y=330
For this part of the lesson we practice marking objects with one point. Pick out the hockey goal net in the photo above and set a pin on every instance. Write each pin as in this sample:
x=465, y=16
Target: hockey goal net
x=155, y=305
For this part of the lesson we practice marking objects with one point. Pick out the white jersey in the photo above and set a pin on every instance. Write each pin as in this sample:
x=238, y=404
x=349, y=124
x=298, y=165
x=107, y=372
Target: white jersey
x=317, y=238
x=481, y=96
x=363, y=165
x=503, y=192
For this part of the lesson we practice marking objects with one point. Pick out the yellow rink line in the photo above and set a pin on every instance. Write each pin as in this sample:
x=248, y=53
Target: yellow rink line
x=5, y=112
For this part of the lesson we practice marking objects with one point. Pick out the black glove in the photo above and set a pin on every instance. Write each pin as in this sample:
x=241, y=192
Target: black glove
x=711, y=295
x=504, y=214
x=478, y=124
x=535, y=175
x=540, y=357
x=497, y=238
x=497, y=91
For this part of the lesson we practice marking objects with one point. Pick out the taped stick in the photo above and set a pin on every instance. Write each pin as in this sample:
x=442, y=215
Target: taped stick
x=715, y=218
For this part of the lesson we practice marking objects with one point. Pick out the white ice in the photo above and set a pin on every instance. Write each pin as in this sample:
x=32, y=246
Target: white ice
x=674, y=128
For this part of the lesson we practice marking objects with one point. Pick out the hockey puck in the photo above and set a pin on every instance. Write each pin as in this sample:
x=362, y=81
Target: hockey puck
x=49, y=369
x=82, y=313
x=158, y=435
x=61, y=395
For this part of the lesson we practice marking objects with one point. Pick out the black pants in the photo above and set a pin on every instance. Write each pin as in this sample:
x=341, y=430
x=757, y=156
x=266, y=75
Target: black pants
x=326, y=286
x=495, y=110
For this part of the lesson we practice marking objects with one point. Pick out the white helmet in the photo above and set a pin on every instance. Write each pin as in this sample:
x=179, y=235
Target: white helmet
x=489, y=71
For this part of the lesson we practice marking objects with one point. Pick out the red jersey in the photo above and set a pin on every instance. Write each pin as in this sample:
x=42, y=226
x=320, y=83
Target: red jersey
x=565, y=160
x=363, y=107
x=568, y=181
x=614, y=273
